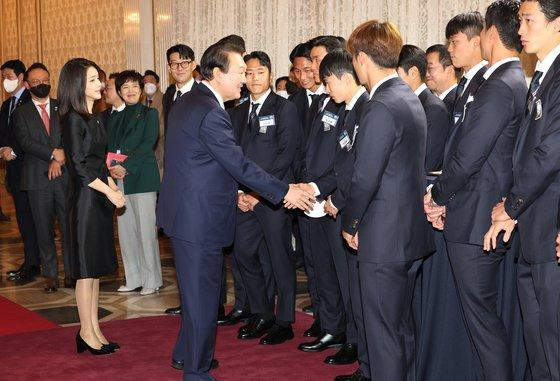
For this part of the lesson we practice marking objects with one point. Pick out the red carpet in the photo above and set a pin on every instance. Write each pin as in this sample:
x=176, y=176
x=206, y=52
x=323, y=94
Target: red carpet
x=16, y=319
x=147, y=344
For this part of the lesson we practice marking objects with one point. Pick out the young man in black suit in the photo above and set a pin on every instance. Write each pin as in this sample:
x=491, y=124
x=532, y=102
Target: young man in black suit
x=533, y=198
x=37, y=128
x=266, y=127
x=12, y=75
x=342, y=85
x=441, y=75
x=477, y=173
x=383, y=217
x=412, y=69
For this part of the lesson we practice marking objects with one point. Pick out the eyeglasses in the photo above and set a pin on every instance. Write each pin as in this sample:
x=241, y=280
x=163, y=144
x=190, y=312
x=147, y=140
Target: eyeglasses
x=183, y=64
x=35, y=82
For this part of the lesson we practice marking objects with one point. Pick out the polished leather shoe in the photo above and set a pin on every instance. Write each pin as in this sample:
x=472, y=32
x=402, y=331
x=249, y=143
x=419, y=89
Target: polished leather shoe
x=173, y=310
x=357, y=376
x=234, y=317
x=308, y=309
x=314, y=330
x=221, y=313
x=256, y=329
x=180, y=364
x=277, y=335
x=348, y=354
x=12, y=273
x=25, y=274
x=51, y=286
x=322, y=343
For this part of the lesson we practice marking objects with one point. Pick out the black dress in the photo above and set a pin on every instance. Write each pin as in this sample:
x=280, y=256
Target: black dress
x=89, y=212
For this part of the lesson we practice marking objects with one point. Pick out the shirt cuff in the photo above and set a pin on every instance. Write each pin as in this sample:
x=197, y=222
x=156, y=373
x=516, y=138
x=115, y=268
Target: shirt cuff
x=316, y=188
x=13, y=153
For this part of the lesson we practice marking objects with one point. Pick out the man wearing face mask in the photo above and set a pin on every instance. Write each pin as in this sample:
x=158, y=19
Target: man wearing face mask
x=12, y=75
x=153, y=98
x=37, y=129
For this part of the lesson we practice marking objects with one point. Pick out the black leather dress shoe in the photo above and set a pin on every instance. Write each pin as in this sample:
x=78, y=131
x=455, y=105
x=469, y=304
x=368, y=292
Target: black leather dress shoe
x=357, y=376
x=256, y=329
x=221, y=313
x=26, y=275
x=348, y=354
x=308, y=309
x=277, y=335
x=173, y=310
x=322, y=343
x=51, y=285
x=314, y=330
x=234, y=317
x=180, y=364
x=12, y=273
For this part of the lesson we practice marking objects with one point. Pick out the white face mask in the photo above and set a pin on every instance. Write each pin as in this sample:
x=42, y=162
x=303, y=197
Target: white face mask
x=10, y=85
x=283, y=93
x=150, y=89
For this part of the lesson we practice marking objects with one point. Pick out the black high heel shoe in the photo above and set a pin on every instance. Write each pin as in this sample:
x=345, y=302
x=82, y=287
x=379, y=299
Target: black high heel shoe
x=82, y=346
x=112, y=346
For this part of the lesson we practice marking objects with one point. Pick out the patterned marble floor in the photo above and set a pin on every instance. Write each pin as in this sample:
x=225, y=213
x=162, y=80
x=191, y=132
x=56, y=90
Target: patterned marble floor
x=60, y=307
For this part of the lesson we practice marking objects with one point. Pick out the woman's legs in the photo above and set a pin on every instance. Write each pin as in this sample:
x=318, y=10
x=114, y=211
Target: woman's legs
x=84, y=301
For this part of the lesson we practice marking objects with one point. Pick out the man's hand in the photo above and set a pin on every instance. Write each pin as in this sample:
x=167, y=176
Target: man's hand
x=242, y=202
x=491, y=236
x=6, y=153
x=118, y=171
x=55, y=170
x=499, y=212
x=330, y=209
x=58, y=155
x=351, y=240
x=252, y=199
x=434, y=212
x=298, y=198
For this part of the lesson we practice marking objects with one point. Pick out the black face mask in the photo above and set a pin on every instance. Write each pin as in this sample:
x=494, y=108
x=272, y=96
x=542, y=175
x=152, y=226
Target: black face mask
x=41, y=90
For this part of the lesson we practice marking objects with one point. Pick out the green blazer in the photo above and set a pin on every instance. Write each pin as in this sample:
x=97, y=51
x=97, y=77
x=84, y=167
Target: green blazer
x=135, y=131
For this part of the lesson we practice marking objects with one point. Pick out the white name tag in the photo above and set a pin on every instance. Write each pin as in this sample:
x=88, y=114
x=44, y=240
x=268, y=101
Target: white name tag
x=329, y=119
x=267, y=120
x=344, y=140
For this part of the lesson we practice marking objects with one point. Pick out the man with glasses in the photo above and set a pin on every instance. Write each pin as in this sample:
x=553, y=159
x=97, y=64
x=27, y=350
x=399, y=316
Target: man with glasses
x=441, y=75
x=37, y=129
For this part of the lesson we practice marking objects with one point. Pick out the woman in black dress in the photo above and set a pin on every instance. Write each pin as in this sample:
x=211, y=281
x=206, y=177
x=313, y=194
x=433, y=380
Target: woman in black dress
x=91, y=195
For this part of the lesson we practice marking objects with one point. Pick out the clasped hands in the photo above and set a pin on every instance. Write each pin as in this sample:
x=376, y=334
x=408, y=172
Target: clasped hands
x=434, y=212
x=114, y=194
x=501, y=221
x=246, y=202
x=6, y=153
x=117, y=171
x=55, y=166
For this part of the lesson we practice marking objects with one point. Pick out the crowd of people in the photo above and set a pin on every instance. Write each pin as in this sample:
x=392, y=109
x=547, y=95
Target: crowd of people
x=367, y=162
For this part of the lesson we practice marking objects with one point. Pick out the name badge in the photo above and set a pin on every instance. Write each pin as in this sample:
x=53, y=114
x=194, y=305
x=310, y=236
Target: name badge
x=538, y=114
x=265, y=122
x=344, y=140
x=329, y=120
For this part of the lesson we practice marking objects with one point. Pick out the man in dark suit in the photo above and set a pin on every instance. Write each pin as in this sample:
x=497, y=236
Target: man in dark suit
x=321, y=234
x=12, y=74
x=477, y=173
x=342, y=85
x=383, y=217
x=37, y=129
x=267, y=129
x=198, y=198
x=412, y=69
x=113, y=99
x=533, y=198
x=441, y=75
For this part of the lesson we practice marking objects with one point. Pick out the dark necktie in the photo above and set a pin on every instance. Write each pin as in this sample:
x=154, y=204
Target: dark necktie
x=253, y=114
x=148, y=102
x=314, y=97
x=461, y=87
x=535, y=83
x=12, y=108
x=177, y=95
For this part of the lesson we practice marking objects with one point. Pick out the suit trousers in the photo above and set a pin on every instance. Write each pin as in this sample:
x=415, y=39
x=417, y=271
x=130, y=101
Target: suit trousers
x=263, y=244
x=241, y=302
x=331, y=274
x=138, y=240
x=303, y=223
x=45, y=205
x=199, y=270
x=538, y=288
x=477, y=278
x=357, y=311
x=387, y=290
x=24, y=216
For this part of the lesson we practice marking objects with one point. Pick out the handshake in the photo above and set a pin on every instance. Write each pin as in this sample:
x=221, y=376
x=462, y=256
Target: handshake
x=299, y=196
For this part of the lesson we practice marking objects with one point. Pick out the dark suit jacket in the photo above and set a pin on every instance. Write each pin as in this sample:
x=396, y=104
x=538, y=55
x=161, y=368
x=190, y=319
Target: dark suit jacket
x=38, y=146
x=167, y=101
x=385, y=202
x=7, y=135
x=449, y=101
x=478, y=169
x=535, y=194
x=438, y=127
x=273, y=148
x=204, y=165
x=135, y=131
x=344, y=160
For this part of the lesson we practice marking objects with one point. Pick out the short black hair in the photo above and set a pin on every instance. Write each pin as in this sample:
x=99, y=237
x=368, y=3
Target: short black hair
x=235, y=40
x=331, y=43
x=152, y=73
x=337, y=63
x=185, y=52
x=129, y=76
x=301, y=50
x=469, y=23
x=279, y=79
x=263, y=58
x=16, y=65
x=36, y=65
x=503, y=15
x=216, y=56
x=444, y=57
x=291, y=87
x=412, y=56
x=71, y=92
x=114, y=75
x=550, y=8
